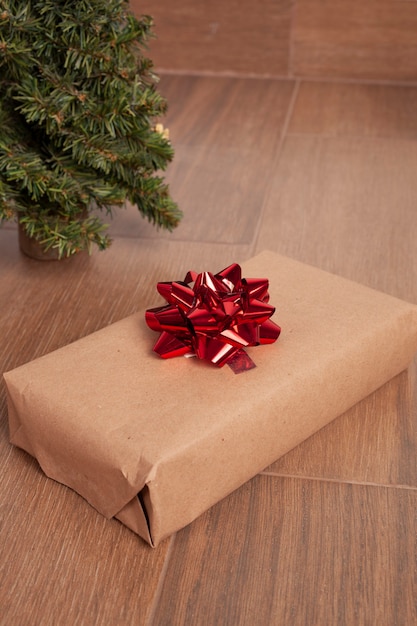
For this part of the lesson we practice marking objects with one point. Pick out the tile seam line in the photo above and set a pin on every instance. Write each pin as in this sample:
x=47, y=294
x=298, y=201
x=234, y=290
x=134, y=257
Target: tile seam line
x=275, y=161
x=179, y=240
x=302, y=78
x=406, y=137
x=291, y=44
x=361, y=483
x=158, y=592
x=288, y=117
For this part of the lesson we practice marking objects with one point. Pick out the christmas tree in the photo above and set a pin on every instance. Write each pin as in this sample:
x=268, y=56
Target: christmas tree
x=79, y=121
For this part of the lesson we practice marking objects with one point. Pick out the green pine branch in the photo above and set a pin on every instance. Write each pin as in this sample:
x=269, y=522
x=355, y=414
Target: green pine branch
x=78, y=110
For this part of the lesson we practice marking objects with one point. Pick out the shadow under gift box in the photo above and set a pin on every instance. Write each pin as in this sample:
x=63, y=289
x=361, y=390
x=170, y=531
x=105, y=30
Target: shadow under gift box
x=156, y=442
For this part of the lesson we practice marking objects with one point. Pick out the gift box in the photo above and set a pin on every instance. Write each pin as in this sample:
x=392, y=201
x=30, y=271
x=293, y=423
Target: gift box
x=155, y=442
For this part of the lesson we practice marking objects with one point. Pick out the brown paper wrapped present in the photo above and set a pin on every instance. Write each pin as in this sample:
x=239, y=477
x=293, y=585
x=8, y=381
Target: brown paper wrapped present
x=156, y=442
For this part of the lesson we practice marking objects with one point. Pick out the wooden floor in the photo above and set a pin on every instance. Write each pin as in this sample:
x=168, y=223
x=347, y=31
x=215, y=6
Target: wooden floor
x=325, y=173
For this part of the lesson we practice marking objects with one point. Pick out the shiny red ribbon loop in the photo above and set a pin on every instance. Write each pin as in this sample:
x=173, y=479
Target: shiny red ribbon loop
x=213, y=316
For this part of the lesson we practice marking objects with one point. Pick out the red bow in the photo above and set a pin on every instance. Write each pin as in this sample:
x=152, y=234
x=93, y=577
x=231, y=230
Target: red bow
x=213, y=316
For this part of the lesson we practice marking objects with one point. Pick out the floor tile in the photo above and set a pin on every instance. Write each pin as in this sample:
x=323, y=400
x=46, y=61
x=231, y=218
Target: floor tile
x=56, y=550
x=362, y=40
x=59, y=302
x=223, y=157
x=346, y=109
x=347, y=205
x=299, y=552
x=220, y=36
x=353, y=197
x=325, y=535
x=375, y=442
x=56, y=554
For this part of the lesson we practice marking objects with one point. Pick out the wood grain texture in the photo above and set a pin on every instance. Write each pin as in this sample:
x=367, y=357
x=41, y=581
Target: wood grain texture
x=373, y=443
x=366, y=40
x=337, y=109
x=57, y=555
x=220, y=36
x=326, y=535
x=219, y=175
x=345, y=183
x=373, y=40
x=296, y=552
x=61, y=562
x=347, y=204
x=51, y=307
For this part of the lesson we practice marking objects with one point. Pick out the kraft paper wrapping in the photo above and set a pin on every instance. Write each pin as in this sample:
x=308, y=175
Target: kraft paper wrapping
x=156, y=442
